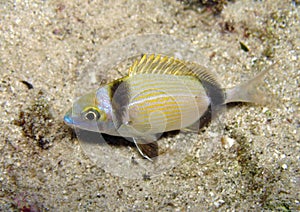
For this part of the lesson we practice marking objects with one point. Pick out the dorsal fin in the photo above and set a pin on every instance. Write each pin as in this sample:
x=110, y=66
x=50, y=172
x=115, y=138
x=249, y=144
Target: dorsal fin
x=169, y=65
x=203, y=74
x=158, y=65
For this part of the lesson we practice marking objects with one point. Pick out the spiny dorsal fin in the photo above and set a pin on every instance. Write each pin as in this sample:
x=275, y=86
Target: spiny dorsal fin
x=169, y=65
x=158, y=65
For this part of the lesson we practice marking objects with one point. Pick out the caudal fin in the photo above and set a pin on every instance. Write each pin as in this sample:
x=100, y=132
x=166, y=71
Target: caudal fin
x=251, y=91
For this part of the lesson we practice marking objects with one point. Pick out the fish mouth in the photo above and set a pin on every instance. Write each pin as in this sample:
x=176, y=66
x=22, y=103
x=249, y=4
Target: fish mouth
x=68, y=118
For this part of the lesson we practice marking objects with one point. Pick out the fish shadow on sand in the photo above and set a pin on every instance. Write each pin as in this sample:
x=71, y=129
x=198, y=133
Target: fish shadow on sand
x=96, y=138
x=101, y=138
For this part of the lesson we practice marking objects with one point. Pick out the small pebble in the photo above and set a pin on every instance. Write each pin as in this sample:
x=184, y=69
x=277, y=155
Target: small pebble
x=284, y=166
x=227, y=142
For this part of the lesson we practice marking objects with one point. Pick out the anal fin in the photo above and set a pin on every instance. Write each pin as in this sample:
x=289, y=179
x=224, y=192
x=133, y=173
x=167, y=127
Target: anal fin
x=148, y=150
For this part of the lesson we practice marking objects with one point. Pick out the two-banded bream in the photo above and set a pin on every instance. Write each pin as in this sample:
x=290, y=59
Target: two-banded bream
x=159, y=94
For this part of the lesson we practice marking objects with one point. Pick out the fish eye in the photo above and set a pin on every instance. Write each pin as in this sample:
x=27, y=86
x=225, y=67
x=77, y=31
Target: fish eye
x=91, y=114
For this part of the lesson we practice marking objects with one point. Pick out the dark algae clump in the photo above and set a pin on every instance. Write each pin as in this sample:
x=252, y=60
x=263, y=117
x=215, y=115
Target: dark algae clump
x=36, y=121
x=215, y=6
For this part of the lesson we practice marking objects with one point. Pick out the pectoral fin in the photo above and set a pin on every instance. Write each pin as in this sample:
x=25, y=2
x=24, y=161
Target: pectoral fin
x=148, y=149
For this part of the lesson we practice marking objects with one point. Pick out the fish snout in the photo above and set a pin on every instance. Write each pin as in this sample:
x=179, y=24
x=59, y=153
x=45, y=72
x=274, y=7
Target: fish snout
x=68, y=118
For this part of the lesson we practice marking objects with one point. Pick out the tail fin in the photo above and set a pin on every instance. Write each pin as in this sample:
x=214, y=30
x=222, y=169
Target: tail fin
x=251, y=91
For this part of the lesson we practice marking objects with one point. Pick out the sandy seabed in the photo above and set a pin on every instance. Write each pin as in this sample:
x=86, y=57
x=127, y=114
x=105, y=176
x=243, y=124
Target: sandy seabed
x=251, y=164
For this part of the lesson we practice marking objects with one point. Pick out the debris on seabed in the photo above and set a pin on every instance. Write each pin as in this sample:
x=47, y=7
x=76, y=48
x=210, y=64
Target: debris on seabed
x=227, y=142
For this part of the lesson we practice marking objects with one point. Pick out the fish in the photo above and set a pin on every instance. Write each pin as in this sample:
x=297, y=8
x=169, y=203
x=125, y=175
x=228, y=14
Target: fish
x=159, y=94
